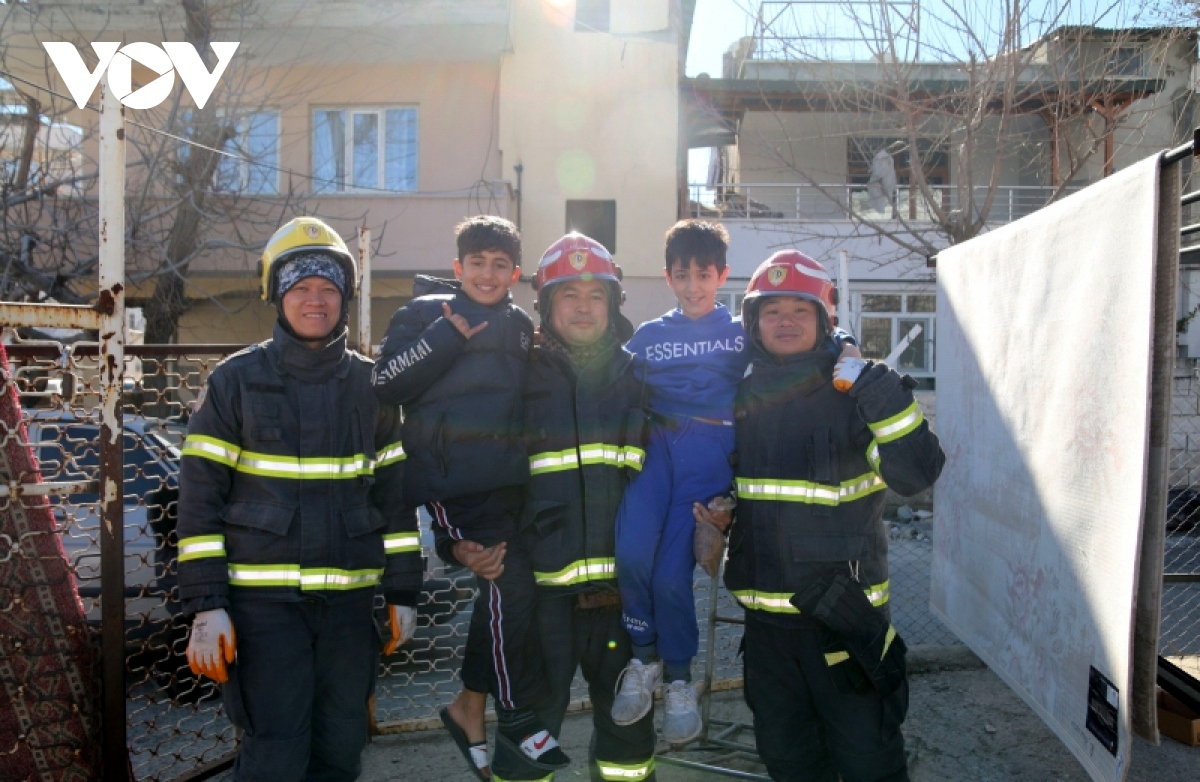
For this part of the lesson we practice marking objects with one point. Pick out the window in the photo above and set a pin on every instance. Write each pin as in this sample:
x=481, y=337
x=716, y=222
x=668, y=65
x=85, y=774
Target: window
x=256, y=140
x=597, y=219
x=364, y=149
x=886, y=319
x=1125, y=61
x=591, y=16
x=732, y=299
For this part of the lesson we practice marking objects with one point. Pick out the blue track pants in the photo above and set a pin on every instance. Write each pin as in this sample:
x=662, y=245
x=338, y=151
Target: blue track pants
x=687, y=461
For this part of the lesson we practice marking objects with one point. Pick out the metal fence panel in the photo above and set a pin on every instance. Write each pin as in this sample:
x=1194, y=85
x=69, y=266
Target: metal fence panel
x=175, y=726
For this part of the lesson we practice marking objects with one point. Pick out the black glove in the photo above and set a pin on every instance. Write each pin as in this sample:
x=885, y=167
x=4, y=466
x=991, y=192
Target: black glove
x=840, y=604
x=881, y=391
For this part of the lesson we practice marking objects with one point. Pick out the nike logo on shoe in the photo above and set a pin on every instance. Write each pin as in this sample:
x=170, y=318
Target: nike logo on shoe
x=538, y=744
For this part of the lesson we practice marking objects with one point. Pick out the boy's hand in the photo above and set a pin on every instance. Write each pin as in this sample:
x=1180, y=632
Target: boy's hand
x=461, y=324
x=486, y=563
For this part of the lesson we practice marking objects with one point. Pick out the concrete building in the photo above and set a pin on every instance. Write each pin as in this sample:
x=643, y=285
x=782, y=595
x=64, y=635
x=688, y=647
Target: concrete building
x=818, y=153
x=407, y=118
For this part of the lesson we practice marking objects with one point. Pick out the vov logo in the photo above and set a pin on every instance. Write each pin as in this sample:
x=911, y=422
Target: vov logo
x=118, y=61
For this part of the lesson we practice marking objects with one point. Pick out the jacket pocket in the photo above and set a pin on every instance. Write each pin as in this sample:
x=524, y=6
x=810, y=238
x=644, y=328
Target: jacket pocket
x=543, y=516
x=260, y=516
x=362, y=520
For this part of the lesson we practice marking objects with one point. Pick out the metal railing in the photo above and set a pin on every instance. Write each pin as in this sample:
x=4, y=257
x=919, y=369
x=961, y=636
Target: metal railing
x=837, y=202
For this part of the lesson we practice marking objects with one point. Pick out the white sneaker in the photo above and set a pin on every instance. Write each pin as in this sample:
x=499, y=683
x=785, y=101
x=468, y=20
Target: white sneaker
x=635, y=691
x=681, y=722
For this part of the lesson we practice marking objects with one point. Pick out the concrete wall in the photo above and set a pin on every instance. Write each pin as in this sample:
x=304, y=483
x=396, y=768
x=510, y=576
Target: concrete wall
x=595, y=116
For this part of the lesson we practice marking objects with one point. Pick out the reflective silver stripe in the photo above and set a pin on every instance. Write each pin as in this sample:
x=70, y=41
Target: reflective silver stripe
x=627, y=771
x=392, y=454
x=211, y=448
x=780, y=602
x=579, y=571
x=552, y=461
x=400, y=542
x=201, y=547
x=879, y=594
x=308, y=579
x=333, y=578
x=809, y=492
x=280, y=466
x=772, y=602
x=274, y=466
x=873, y=455
x=588, y=453
x=897, y=426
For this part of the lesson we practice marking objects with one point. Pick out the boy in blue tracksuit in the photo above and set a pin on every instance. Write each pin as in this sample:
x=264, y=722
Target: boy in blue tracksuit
x=693, y=359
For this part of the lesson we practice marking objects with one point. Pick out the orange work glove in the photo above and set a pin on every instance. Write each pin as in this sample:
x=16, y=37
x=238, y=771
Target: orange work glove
x=212, y=645
x=402, y=621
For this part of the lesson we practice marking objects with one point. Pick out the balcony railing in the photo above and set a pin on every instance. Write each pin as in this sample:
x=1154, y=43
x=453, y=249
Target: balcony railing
x=845, y=202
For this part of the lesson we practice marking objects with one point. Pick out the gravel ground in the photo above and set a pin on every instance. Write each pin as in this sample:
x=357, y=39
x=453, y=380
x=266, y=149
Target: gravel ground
x=963, y=723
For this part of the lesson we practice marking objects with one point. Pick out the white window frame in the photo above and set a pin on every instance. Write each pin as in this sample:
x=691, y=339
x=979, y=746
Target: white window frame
x=897, y=333
x=325, y=186
x=271, y=170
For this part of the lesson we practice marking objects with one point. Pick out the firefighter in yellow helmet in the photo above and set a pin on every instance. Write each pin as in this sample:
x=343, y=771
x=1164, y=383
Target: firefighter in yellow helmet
x=291, y=520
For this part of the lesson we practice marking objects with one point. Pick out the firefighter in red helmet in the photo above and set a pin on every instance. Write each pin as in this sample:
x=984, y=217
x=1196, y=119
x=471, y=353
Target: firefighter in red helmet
x=824, y=667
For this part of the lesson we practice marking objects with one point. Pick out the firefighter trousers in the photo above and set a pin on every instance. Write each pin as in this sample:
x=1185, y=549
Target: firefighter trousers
x=300, y=685
x=591, y=639
x=812, y=721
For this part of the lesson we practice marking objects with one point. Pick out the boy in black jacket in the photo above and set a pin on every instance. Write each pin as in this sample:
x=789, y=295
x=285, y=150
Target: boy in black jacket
x=456, y=357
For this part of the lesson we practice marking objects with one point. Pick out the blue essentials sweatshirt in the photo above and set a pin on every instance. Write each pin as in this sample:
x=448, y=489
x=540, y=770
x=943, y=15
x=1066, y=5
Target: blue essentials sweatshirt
x=692, y=367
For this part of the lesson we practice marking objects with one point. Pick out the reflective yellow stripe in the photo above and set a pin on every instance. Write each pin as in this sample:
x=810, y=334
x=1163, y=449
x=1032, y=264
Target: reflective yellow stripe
x=873, y=455
x=879, y=594
x=833, y=658
x=306, y=468
x=772, y=602
x=211, y=448
x=589, y=453
x=308, y=579
x=627, y=771
x=548, y=778
x=553, y=461
x=579, y=571
x=390, y=455
x=780, y=602
x=201, y=547
x=279, y=466
x=808, y=492
x=887, y=643
x=897, y=426
x=401, y=542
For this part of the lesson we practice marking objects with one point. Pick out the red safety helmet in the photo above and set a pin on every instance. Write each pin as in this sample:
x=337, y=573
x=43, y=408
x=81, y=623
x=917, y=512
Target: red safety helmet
x=789, y=273
x=577, y=257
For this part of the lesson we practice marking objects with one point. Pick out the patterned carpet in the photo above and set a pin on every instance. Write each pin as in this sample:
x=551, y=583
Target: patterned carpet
x=49, y=685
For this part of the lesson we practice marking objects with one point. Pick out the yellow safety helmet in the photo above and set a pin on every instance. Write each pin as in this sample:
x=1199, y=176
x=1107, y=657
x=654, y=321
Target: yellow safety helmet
x=303, y=234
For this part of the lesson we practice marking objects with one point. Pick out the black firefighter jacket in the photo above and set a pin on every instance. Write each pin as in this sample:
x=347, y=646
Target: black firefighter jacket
x=813, y=464
x=291, y=481
x=461, y=397
x=584, y=431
